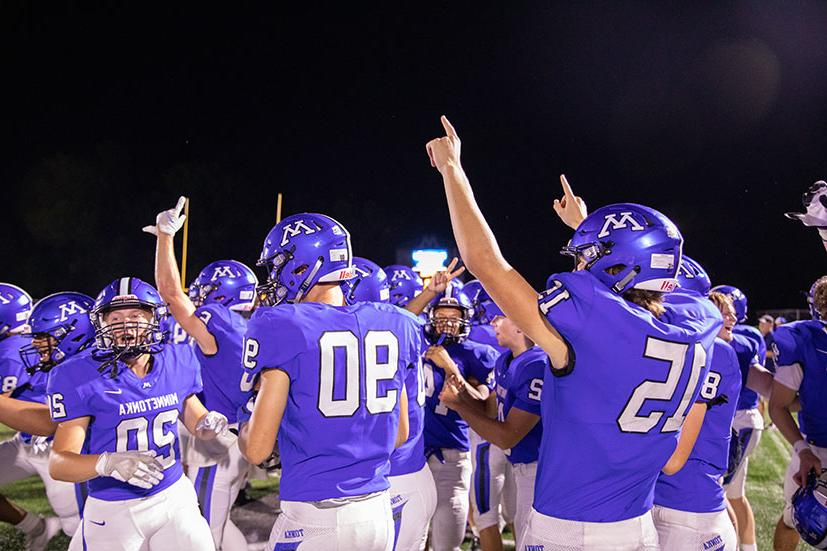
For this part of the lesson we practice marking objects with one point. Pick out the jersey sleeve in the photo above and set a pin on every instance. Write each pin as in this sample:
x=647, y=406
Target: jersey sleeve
x=245, y=411
x=528, y=385
x=567, y=302
x=12, y=373
x=480, y=364
x=64, y=395
x=786, y=346
x=273, y=338
x=218, y=322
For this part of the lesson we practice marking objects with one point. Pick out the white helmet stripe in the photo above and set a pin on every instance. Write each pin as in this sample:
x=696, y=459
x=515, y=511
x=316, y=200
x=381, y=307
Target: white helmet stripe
x=124, y=286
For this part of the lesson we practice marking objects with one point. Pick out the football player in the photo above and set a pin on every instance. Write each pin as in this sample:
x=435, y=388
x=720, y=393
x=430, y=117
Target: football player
x=751, y=348
x=213, y=315
x=516, y=432
x=59, y=328
x=690, y=509
x=447, y=443
x=802, y=369
x=609, y=423
x=118, y=408
x=332, y=388
x=23, y=415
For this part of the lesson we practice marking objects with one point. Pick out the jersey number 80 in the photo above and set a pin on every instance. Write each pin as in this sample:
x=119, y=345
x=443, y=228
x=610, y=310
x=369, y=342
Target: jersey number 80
x=380, y=360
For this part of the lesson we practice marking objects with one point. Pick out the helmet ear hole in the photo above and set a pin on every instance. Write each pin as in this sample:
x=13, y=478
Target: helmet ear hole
x=300, y=270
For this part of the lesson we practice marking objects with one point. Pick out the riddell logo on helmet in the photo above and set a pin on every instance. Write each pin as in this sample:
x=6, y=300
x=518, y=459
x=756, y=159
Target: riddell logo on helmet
x=668, y=286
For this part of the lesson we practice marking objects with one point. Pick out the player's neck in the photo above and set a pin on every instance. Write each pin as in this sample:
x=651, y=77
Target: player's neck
x=517, y=349
x=139, y=365
x=325, y=293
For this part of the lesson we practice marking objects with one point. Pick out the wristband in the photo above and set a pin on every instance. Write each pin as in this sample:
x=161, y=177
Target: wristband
x=823, y=233
x=800, y=446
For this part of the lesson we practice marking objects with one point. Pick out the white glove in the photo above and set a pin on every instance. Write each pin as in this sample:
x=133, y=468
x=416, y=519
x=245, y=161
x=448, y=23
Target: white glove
x=141, y=469
x=40, y=444
x=213, y=422
x=815, y=201
x=169, y=221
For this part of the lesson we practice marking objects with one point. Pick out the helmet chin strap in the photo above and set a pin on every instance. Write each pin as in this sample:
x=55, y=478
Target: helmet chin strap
x=303, y=288
x=621, y=285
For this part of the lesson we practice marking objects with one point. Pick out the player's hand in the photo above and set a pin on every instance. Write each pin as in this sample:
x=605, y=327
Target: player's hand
x=169, y=221
x=808, y=462
x=444, y=152
x=211, y=425
x=141, y=469
x=439, y=281
x=452, y=389
x=570, y=208
x=40, y=444
x=438, y=356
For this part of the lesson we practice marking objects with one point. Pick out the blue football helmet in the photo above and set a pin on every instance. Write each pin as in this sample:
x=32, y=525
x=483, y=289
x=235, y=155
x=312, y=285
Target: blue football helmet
x=439, y=330
x=738, y=298
x=15, y=307
x=301, y=251
x=484, y=309
x=642, y=241
x=692, y=277
x=226, y=282
x=62, y=321
x=810, y=511
x=131, y=338
x=369, y=285
x=405, y=284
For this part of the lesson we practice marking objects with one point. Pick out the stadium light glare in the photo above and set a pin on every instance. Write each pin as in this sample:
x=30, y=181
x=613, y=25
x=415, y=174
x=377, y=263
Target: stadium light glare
x=428, y=261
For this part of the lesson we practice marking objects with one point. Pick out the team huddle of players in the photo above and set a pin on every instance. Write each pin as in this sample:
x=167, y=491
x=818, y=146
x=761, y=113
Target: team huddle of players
x=616, y=410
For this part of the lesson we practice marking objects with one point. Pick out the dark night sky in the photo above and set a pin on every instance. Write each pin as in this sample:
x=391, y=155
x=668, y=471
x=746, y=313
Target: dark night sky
x=715, y=115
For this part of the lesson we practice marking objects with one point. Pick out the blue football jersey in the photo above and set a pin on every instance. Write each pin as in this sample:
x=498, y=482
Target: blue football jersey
x=444, y=428
x=227, y=385
x=347, y=366
x=611, y=419
x=805, y=343
x=695, y=488
x=520, y=385
x=747, y=351
x=484, y=334
x=127, y=413
x=12, y=368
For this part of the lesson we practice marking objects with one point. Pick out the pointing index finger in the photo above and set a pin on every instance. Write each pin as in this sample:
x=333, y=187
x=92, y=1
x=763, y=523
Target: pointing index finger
x=566, y=187
x=449, y=128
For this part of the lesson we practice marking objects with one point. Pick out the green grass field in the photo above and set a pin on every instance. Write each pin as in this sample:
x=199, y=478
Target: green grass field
x=767, y=467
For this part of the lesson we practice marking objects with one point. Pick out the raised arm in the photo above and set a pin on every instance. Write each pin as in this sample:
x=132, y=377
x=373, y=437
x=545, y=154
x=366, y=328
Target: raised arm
x=437, y=284
x=168, y=278
x=481, y=253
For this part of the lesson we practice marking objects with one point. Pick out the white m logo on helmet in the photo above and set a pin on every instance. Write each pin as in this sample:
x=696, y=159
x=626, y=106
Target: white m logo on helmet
x=400, y=274
x=222, y=271
x=69, y=309
x=292, y=230
x=625, y=221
